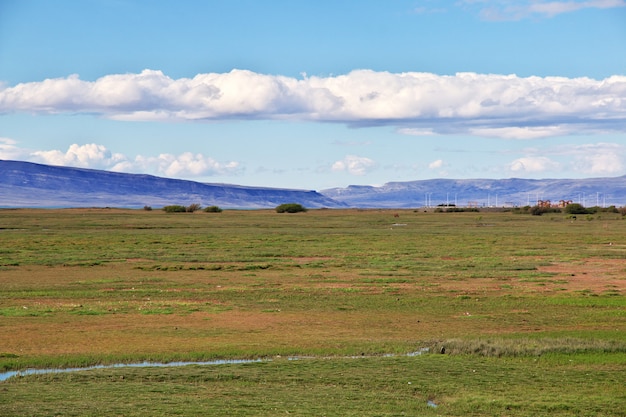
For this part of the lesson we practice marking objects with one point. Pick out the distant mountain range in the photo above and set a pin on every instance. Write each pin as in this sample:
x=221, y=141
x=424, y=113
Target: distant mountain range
x=26, y=184
x=484, y=192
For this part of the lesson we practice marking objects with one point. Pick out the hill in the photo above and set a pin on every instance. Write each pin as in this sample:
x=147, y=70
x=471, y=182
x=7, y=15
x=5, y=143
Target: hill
x=483, y=192
x=26, y=184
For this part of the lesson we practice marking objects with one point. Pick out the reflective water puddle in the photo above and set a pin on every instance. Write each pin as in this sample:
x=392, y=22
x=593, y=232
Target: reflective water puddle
x=6, y=375
x=10, y=374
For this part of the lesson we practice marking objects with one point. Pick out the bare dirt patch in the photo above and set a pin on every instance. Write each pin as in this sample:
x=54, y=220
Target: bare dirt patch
x=593, y=274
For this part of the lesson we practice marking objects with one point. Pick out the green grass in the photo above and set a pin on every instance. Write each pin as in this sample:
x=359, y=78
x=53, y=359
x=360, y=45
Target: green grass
x=83, y=287
x=460, y=385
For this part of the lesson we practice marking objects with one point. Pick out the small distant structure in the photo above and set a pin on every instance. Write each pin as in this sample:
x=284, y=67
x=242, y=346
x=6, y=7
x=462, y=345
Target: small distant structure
x=472, y=204
x=549, y=204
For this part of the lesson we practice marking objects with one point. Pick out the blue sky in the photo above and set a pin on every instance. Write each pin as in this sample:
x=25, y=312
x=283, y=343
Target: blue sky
x=316, y=94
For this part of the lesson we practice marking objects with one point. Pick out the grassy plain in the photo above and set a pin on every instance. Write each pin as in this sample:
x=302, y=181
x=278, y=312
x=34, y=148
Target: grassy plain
x=530, y=311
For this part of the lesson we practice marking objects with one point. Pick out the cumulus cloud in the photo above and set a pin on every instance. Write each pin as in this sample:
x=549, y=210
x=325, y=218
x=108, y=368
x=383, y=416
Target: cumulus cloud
x=589, y=159
x=599, y=158
x=436, y=164
x=506, y=106
x=94, y=156
x=533, y=164
x=355, y=165
x=184, y=165
x=84, y=156
x=10, y=150
x=516, y=10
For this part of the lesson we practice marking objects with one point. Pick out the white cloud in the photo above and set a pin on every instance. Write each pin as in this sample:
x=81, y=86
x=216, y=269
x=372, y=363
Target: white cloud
x=533, y=164
x=9, y=149
x=84, y=156
x=527, y=132
x=592, y=159
x=498, y=10
x=94, y=156
x=355, y=165
x=184, y=165
x=416, y=131
x=599, y=158
x=436, y=164
x=505, y=106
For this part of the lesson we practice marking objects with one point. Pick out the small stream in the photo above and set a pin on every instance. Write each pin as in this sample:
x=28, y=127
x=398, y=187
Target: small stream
x=10, y=374
x=6, y=375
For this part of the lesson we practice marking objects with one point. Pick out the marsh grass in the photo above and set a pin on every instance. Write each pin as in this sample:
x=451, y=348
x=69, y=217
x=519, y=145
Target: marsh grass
x=82, y=287
x=459, y=386
x=527, y=346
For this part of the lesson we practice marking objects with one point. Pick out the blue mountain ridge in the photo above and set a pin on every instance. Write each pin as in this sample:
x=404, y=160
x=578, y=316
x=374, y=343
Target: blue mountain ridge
x=27, y=184
x=483, y=192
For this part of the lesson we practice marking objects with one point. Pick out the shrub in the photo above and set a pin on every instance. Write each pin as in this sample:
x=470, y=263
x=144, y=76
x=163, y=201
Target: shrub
x=147, y=208
x=538, y=211
x=576, y=208
x=598, y=209
x=193, y=207
x=462, y=210
x=212, y=209
x=521, y=210
x=290, y=208
x=175, y=209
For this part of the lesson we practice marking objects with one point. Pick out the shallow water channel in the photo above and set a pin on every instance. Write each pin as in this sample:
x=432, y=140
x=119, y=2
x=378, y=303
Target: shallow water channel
x=10, y=374
x=6, y=375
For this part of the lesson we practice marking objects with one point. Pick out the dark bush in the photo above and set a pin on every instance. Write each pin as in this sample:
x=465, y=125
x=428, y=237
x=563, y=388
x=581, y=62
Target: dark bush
x=538, y=210
x=462, y=210
x=290, y=208
x=454, y=209
x=576, y=208
x=147, y=208
x=598, y=209
x=175, y=209
x=212, y=209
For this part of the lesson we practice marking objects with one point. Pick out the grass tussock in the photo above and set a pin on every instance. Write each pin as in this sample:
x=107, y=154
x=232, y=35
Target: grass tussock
x=501, y=347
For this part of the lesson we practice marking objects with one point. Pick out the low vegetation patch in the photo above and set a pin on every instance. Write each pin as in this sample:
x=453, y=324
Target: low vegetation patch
x=528, y=312
x=175, y=209
x=212, y=209
x=290, y=208
x=528, y=347
x=447, y=209
x=182, y=209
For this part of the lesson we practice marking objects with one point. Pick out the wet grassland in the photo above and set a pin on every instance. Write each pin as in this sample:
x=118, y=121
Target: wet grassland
x=528, y=310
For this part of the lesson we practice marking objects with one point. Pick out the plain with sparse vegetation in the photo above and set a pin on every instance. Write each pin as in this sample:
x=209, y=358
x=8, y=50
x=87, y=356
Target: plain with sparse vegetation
x=528, y=312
